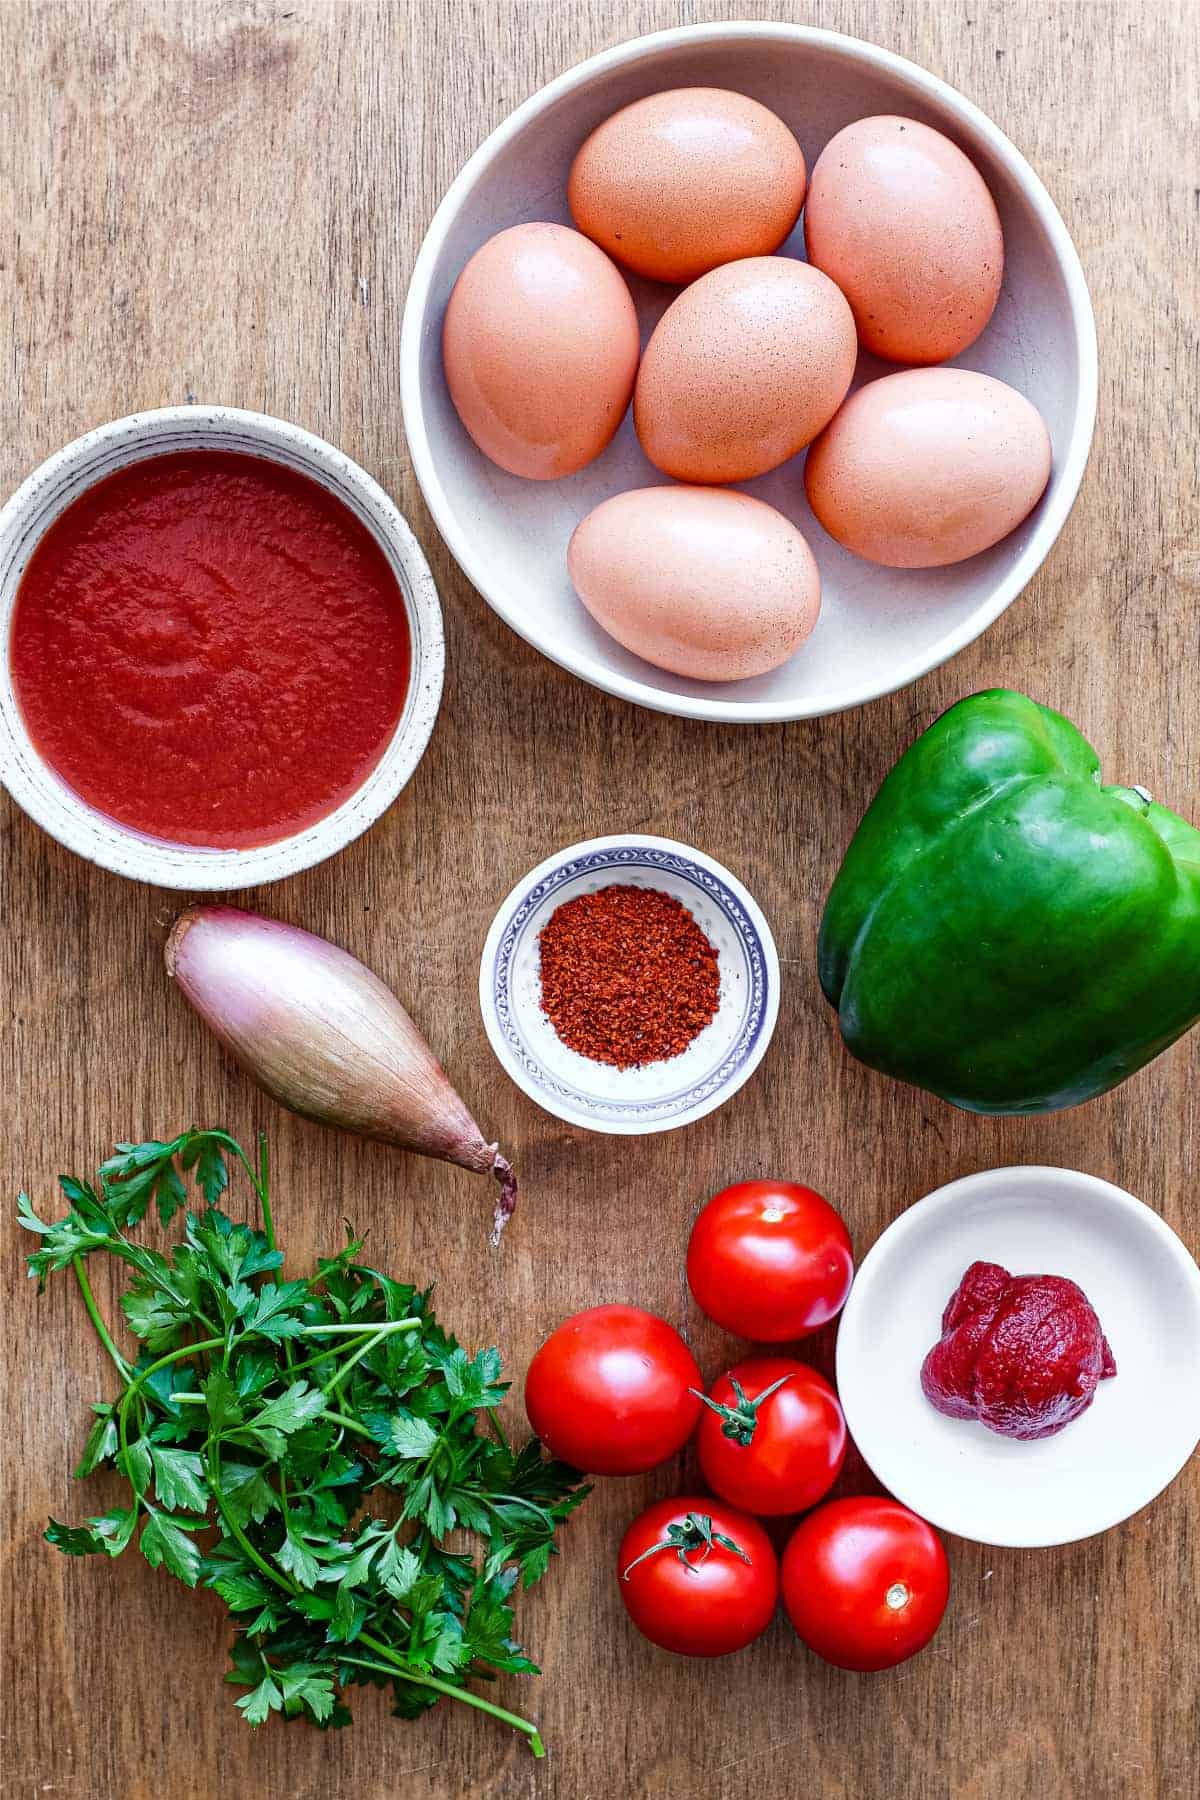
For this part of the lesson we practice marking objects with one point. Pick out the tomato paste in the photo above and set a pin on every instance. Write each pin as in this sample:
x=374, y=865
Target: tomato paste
x=1023, y=1354
x=211, y=649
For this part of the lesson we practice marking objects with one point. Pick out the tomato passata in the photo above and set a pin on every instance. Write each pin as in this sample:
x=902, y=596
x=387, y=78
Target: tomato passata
x=772, y=1438
x=770, y=1261
x=865, y=1583
x=698, y=1577
x=611, y=1391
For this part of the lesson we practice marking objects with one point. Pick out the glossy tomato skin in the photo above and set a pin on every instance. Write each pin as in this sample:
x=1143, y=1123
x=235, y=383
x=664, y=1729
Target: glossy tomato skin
x=770, y=1261
x=865, y=1583
x=718, y=1603
x=608, y=1392
x=797, y=1443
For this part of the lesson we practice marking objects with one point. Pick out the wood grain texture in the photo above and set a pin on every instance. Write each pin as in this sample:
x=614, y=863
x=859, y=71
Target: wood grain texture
x=222, y=202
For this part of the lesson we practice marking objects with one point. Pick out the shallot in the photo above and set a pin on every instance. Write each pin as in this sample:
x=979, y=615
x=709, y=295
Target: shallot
x=324, y=1037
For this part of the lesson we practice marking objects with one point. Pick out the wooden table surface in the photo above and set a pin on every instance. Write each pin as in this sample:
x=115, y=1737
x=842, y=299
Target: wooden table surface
x=222, y=203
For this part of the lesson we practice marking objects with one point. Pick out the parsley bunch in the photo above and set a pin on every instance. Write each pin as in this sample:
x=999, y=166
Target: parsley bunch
x=261, y=1420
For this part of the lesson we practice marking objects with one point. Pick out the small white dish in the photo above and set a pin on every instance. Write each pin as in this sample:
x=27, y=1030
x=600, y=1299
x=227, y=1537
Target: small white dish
x=657, y=1096
x=879, y=629
x=1140, y=1429
x=43, y=794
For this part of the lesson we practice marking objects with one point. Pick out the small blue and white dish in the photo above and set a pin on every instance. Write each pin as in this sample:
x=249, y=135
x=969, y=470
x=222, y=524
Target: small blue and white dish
x=658, y=1096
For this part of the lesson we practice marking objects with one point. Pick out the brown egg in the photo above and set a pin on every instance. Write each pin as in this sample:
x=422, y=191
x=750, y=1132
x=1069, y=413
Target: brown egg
x=928, y=467
x=905, y=225
x=743, y=370
x=540, y=347
x=678, y=183
x=716, y=586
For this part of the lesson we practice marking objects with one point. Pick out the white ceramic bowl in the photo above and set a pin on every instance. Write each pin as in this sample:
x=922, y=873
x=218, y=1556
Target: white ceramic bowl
x=659, y=1096
x=66, y=475
x=1140, y=1429
x=879, y=628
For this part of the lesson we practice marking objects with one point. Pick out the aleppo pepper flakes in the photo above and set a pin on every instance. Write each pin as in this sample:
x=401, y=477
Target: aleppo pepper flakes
x=628, y=977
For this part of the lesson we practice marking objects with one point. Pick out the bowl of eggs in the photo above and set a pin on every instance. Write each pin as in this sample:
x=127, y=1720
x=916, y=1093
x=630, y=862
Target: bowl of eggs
x=748, y=371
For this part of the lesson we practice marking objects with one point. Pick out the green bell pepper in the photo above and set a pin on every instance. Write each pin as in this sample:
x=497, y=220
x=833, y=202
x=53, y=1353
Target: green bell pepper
x=1005, y=931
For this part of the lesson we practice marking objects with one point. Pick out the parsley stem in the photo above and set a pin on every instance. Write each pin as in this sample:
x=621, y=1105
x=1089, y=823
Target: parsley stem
x=263, y=1185
x=370, y=1335
x=399, y=1673
x=216, y=1343
x=231, y=1143
x=213, y=1461
x=381, y=1325
x=102, y=1331
x=497, y=1430
x=336, y=1379
x=172, y=1356
x=347, y=1424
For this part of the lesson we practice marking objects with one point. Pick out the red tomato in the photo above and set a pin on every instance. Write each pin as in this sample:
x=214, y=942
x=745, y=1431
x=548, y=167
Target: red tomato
x=698, y=1577
x=770, y=1451
x=608, y=1392
x=865, y=1583
x=770, y=1261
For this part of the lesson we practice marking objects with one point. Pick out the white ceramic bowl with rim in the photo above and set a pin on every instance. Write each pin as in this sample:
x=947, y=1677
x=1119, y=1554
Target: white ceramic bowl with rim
x=44, y=795
x=658, y=1096
x=879, y=628
x=1142, y=1425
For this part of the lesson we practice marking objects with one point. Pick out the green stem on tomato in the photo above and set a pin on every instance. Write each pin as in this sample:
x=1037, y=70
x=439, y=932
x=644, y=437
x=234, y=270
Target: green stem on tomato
x=102, y=1331
x=740, y=1421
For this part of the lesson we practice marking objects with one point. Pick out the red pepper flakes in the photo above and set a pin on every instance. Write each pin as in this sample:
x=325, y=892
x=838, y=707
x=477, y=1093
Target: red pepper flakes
x=628, y=976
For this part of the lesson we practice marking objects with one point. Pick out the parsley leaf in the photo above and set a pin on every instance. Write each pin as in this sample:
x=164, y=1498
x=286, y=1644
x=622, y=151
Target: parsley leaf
x=259, y=1421
x=179, y=1478
x=164, y=1539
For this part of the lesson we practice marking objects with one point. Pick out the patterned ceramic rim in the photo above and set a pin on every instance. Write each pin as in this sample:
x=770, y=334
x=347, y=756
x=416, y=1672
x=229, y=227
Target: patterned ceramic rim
x=663, y=1112
x=56, y=807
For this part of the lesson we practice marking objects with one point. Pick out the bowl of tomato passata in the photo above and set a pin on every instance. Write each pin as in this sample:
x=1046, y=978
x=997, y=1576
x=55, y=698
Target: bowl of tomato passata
x=223, y=648
x=974, y=1478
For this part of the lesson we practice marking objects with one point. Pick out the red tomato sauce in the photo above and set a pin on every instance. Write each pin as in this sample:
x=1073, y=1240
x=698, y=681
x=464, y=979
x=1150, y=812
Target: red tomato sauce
x=210, y=649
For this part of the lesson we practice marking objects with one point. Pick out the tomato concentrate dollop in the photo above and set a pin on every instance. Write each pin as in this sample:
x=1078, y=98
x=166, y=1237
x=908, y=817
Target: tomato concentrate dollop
x=211, y=649
x=1023, y=1354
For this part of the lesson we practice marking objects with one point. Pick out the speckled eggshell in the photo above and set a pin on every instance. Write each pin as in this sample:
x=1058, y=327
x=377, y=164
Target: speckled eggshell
x=678, y=183
x=905, y=225
x=928, y=467
x=715, y=586
x=540, y=348
x=743, y=370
